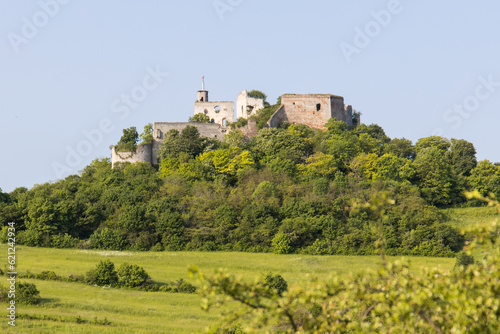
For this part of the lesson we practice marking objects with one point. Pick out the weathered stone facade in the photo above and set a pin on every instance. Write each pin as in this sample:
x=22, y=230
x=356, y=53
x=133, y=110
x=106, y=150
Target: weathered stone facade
x=219, y=112
x=313, y=110
x=149, y=153
x=247, y=106
x=143, y=153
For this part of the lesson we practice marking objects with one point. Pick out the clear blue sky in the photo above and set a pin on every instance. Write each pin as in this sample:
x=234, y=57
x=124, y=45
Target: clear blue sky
x=424, y=67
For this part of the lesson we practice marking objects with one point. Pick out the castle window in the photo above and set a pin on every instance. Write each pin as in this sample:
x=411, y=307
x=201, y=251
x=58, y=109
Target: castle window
x=217, y=109
x=318, y=107
x=212, y=121
x=201, y=99
x=158, y=133
x=206, y=112
x=224, y=122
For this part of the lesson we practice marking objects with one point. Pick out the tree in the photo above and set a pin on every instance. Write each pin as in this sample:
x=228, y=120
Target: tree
x=103, y=274
x=462, y=156
x=128, y=141
x=257, y=94
x=132, y=276
x=147, y=134
x=400, y=147
x=187, y=141
x=434, y=176
x=440, y=143
x=199, y=118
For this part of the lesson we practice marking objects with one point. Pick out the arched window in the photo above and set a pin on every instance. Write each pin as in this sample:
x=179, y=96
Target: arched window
x=201, y=99
x=212, y=121
x=318, y=107
x=224, y=122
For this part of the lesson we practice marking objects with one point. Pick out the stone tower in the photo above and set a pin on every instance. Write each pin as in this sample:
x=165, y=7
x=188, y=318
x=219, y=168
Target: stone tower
x=219, y=112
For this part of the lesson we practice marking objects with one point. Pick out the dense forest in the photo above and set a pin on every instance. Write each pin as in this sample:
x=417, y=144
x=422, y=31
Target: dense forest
x=289, y=189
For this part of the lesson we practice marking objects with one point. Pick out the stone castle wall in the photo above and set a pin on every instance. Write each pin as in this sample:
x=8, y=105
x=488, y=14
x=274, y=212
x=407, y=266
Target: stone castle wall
x=160, y=129
x=219, y=112
x=247, y=106
x=313, y=110
x=143, y=153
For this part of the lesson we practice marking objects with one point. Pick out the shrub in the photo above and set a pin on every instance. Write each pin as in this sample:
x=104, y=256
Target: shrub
x=108, y=239
x=132, y=276
x=63, y=241
x=103, y=274
x=275, y=282
x=463, y=260
x=27, y=293
x=281, y=244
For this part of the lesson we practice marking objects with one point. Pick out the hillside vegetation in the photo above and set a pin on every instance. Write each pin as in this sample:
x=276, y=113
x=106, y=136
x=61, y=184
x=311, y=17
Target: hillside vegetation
x=288, y=190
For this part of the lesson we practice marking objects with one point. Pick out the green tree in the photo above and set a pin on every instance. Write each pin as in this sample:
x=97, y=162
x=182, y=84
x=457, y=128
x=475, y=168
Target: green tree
x=147, y=135
x=440, y=143
x=128, y=141
x=434, y=176
x=132, y=276
x=199, y=118
x=400, y=147
x=462, y=156
x=103, y=274
x=257, y=94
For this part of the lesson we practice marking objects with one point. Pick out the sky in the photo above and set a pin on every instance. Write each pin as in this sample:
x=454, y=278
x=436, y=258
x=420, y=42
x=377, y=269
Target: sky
x=74, y=73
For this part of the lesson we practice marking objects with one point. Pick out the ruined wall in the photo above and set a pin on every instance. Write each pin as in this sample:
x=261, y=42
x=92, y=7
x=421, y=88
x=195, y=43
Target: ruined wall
x=313, y=110
x=143, y=153
x=160, y=129
x=219, y=112
x=250, y=130
x=278, y=117
x=247, y=106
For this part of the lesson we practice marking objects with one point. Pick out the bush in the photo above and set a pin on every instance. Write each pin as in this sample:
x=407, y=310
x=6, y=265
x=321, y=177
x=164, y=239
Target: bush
x=275, y=282
x=132, y=276
x=108, y=239
x=63, y=241
x=27, y=293
x=103, y=274
x=281, y=244
x=463, y=260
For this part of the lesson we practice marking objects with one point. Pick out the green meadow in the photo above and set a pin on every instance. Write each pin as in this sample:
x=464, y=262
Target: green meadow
x=75, y=307
x=71, y=307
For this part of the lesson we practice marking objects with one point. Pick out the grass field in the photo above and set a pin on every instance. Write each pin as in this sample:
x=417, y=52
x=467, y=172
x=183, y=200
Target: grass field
x=71, y=307
x=133, y=311
x=467, y=217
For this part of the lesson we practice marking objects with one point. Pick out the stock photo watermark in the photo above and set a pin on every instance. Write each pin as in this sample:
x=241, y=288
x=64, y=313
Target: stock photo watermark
x=122, y=107
x=32, y=26
x=455, y=116
x=363, y=36
x=11, y=273
x=225, y=6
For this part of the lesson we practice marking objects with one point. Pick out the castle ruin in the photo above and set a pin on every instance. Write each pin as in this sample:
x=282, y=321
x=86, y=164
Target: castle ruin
x=313, y=110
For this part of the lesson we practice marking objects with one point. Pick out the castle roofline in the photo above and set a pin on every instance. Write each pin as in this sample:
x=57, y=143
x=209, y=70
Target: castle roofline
x=312, y=95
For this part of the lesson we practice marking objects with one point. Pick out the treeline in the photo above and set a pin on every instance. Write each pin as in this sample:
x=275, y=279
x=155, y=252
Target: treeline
x=291, y=189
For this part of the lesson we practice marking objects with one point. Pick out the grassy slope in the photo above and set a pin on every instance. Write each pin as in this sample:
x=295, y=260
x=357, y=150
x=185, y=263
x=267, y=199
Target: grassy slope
x=144, y=312
x=147, y=312
x=467, y=217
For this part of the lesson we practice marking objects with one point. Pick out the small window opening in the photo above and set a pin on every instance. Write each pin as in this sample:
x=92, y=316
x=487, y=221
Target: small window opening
x=224, y=122
x=318, y=107
x=212, y=121
x=217, y=109
x=201, y=99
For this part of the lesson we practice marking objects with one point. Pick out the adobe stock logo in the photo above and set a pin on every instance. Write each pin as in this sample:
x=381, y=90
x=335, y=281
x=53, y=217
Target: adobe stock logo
x=471, y=103
x=224, y=6
x=122, y=107
x=372, y=29
x=31, y=27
